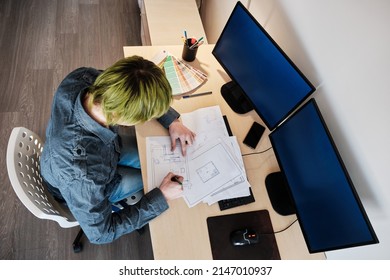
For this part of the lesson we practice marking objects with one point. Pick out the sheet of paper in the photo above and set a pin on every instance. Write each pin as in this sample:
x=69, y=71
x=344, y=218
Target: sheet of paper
x=207, y=123
x=236, y=188
x=211, y=167
x=161, y=160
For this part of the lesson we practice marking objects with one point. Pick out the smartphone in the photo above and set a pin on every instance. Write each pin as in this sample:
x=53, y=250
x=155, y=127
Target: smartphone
x=254, y=135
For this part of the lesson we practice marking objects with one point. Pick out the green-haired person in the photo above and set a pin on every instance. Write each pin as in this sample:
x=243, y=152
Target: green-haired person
x=89, y=164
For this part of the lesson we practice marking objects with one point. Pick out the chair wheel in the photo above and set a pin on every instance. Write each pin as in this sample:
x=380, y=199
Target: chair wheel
x=78, y=247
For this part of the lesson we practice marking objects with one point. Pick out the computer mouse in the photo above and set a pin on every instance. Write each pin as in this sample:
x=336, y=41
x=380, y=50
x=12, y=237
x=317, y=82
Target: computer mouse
x=242, y=237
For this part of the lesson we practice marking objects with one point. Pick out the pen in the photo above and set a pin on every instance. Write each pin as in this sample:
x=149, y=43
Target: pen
x=197, y=43
x=174, y=179
x=198, y=94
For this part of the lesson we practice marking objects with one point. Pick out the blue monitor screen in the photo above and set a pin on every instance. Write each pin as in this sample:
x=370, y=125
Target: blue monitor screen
x=270, y=81
x=327, y=205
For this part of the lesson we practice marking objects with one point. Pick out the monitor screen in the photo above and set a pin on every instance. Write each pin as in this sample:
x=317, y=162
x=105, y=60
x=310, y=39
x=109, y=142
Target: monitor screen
x=328, y=207
x=270, y=81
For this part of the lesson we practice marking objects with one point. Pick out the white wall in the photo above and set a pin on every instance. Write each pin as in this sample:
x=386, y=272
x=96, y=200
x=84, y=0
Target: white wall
x=343, y=47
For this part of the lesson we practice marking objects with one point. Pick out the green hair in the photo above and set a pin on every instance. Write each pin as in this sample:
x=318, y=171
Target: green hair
x=133, y=90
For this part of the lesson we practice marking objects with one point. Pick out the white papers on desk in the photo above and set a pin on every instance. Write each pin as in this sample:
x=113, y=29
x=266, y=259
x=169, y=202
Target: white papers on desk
x=239, y=186
x=207, y=123
x=213, y=168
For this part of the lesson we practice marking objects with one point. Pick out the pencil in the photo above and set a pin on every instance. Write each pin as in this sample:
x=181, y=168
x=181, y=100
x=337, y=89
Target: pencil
x=174, y=179
x=198, y=94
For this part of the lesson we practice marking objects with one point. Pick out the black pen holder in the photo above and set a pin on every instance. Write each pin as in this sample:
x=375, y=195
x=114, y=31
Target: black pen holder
x=189, y=53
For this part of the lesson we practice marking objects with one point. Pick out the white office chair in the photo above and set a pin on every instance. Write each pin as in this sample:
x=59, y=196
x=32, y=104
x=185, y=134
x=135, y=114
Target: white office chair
x=23, y=165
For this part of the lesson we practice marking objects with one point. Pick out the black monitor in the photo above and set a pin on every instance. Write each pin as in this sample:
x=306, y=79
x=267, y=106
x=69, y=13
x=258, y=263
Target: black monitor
x=327, y=205
x=263, y=77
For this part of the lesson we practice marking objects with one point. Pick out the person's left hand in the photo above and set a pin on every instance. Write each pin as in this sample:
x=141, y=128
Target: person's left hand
x=178, y=131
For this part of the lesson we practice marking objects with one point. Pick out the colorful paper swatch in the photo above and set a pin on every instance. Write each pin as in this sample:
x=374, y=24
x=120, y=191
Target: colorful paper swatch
x=182, y=77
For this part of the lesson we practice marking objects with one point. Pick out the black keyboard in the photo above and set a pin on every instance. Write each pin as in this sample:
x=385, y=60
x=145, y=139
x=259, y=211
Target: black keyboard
x=235, y=202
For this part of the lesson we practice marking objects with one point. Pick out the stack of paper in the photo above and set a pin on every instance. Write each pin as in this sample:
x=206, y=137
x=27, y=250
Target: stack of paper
x=182, y=77
x=213, y=168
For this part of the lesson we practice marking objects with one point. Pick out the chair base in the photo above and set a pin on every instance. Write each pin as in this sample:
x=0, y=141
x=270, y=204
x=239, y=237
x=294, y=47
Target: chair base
x=77, y=245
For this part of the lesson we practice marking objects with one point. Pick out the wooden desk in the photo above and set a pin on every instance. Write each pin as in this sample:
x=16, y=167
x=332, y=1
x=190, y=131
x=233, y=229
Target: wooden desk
x=181, y=232
x=163, y=22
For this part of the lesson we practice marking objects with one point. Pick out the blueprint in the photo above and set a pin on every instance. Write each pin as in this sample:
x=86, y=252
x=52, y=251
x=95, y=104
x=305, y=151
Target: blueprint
x=213, y=168
x=161, y=160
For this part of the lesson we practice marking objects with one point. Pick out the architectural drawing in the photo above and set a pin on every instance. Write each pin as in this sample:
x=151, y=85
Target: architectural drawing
x=207, y=171
x=213, y=168
x=163, y=161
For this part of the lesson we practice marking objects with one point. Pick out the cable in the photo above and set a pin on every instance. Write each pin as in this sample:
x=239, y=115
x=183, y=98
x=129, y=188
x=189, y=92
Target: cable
x=279, y=231
x=256, y=153
x=290, y=225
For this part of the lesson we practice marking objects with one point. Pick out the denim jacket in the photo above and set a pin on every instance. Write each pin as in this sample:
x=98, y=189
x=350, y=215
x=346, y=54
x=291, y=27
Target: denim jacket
x=79, y=162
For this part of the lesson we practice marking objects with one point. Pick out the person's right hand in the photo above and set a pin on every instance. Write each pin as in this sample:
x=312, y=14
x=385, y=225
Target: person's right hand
x=170, y=189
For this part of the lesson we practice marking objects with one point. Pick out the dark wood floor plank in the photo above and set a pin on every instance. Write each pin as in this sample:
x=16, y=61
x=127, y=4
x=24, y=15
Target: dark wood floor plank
x=91, y=52
x=41, y=41
x=68, y=22
x=42, y=20
x=8, y=199
x=13, y=46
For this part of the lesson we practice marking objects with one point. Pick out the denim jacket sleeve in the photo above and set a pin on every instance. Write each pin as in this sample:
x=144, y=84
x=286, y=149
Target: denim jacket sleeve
x=168, y=117
x=97, y=220
x=86, y=180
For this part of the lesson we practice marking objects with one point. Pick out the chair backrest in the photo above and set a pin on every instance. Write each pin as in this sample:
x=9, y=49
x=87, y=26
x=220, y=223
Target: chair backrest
x=23, y=165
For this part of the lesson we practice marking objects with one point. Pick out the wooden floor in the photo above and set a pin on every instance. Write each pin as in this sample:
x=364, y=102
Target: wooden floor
x=40, y=42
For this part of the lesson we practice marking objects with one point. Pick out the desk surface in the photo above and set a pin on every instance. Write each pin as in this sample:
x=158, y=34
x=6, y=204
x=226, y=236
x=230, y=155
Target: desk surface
x=181, y=232
x=167, y=21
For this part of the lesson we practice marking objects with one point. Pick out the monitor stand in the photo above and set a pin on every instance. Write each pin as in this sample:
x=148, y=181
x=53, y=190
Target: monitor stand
x=235, y=98
x=278, y=194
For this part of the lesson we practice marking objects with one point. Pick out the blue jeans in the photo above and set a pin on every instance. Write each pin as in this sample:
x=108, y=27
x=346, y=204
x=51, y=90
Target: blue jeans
x=129, y=168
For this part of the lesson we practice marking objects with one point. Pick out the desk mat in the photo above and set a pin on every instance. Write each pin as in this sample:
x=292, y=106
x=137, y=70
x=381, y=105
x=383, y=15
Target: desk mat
x=220, y=227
